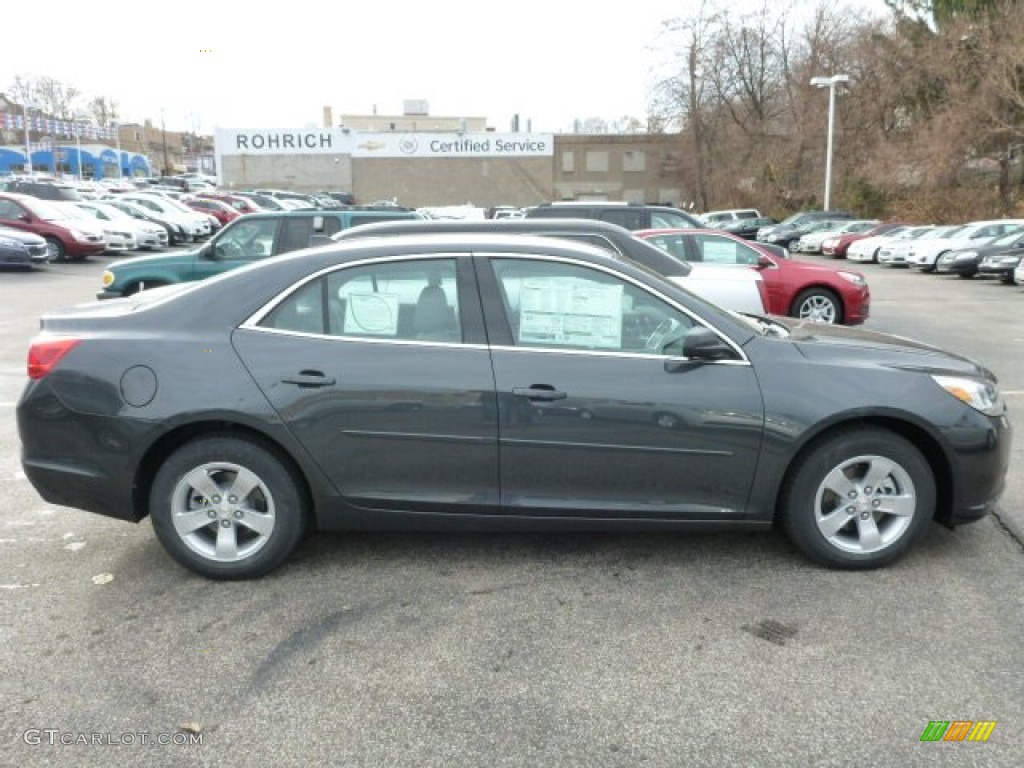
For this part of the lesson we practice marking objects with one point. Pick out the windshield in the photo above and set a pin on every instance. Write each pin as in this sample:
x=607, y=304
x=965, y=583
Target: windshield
x=1008, y=239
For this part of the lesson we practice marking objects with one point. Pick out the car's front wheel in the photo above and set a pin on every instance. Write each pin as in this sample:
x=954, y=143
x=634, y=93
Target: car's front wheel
x=55, y=249
x=819, y=305
x=858, y=499
x=226, y=507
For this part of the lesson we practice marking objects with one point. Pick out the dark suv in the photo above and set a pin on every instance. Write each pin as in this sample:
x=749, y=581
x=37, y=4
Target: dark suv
x=45, y=190
x=632, y=216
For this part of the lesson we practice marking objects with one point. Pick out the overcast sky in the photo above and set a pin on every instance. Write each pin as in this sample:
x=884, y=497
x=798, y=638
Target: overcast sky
x=261, y=63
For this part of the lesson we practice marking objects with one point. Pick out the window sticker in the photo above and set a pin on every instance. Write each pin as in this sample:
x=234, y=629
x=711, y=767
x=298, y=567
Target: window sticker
x=570, y=313
x=372, y=314
x=719, y=253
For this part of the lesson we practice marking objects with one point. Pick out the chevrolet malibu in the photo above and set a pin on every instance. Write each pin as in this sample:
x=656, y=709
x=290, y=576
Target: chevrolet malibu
x=494, y=382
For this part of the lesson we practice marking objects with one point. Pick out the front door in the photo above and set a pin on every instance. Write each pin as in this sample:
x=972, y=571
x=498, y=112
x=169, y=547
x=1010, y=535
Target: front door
x=592, y=419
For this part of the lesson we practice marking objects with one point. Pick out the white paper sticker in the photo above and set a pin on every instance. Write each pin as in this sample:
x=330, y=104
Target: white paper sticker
x=372, y=314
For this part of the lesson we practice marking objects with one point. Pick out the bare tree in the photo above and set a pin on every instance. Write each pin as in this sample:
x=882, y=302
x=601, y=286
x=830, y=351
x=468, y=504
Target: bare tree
x=104, y=111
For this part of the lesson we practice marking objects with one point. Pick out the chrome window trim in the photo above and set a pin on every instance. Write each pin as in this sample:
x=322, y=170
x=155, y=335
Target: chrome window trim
x=252, y=323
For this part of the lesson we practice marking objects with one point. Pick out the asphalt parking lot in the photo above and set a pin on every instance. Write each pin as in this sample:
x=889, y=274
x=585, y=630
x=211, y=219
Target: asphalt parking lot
x=513, y=650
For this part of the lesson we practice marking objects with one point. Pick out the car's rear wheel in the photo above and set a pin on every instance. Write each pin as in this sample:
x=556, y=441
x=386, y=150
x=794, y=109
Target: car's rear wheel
x=55, y=248
x=858, y=499
x=819, y=305
x=227, y=507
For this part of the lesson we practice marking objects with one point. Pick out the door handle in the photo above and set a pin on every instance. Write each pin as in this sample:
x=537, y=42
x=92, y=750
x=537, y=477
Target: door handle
x=539, y=392
x=309, y=379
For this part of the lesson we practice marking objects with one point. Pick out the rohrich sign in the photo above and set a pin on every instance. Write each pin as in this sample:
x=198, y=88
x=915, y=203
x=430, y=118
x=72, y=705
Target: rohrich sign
x=336, y=141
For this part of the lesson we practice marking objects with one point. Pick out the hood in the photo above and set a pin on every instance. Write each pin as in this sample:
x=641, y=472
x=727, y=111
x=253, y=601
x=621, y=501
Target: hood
x=823, y=342
x=174, y=258
x=27, y=238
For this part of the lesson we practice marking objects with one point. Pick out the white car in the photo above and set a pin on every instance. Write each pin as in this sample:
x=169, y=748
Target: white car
x=119, y=238
x=147, y=234
x=196, y=224
x=1018, y=273
x=718, y=218
x=925, y=252
x=866, y=249
x=812, y=241
x=896, y=253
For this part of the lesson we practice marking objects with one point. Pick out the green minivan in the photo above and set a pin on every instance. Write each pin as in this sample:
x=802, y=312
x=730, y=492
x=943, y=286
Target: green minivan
x=248, y=238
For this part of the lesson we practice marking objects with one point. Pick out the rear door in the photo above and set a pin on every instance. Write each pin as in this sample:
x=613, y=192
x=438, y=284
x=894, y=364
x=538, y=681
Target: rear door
x=380, y=370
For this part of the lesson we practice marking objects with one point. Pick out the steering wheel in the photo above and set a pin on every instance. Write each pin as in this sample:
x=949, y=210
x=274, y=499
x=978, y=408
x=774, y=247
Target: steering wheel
x=254, y=249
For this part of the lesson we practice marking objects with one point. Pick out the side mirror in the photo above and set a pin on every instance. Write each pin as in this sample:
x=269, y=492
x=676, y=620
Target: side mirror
x=763, y=262
x=702, y=343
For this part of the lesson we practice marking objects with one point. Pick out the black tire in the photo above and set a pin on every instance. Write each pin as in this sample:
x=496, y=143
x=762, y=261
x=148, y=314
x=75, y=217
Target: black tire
x=56, y=248
x=255, y=532
x=835, y=528
x=966, y=275
x=1007, y=279
x=818, y=304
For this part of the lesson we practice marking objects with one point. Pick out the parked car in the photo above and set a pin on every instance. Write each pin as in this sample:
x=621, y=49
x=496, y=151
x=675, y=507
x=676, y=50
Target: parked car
x=897, y=253
x=867, y=248
x=1001, y=265
x=791, y=228
x=44, y=189
x=632, y=216
x=813, y=238
x=925, y=252
x=432, y=382
x=222, y=211
x=965, y=261
x=240, y=203
x=265, y=202
x=147, y=234
x=1018, y=273
x=800, y=289
x=747, y=228
x=838, y=245
x=740, y=291
x=248, y=238
x=22, y=249
x=717, y=219
x=119, y=237
x=196, y=224
x=66, y=238
x=176, y=232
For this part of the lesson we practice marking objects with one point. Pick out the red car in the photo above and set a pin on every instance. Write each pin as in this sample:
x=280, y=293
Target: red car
x=836, y=246
x=221, y=211
x=801, y=289
x=239, y=203
x=66, y=238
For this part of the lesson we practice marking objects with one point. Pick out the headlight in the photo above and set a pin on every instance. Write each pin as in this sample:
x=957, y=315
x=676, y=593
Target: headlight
x=852, y=277
x=80, y=235
x=108, y=279
x=981, y=395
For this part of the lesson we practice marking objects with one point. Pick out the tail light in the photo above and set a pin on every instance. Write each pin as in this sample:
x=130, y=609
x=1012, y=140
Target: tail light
x=764, y=295
x=46, y=352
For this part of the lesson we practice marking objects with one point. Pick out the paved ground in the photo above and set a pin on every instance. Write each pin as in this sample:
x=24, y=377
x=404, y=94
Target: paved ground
x=465, y=650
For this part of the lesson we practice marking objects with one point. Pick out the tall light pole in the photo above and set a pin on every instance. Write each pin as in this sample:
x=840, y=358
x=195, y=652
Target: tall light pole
x=28, y=144
x=830, y=83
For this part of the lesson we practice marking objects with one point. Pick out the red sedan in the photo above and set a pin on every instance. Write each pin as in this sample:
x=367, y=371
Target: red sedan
x=223, y=212
x=801, y=289
x=836, y=246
